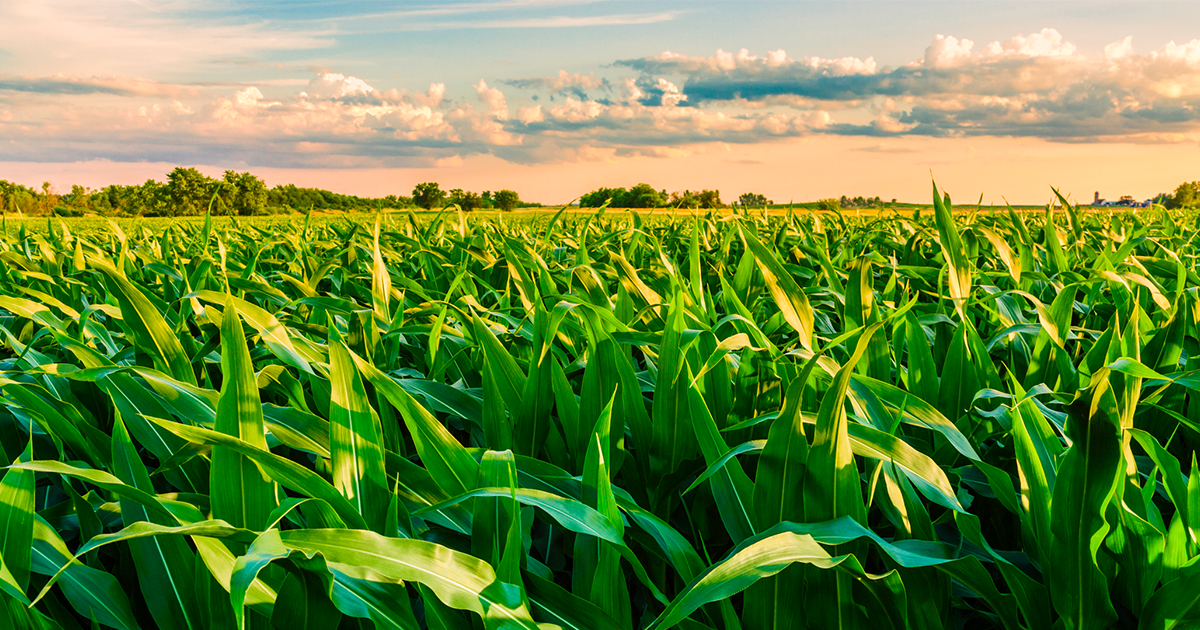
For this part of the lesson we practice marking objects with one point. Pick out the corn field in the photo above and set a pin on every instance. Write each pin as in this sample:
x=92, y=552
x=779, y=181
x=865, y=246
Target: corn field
x=964, y=420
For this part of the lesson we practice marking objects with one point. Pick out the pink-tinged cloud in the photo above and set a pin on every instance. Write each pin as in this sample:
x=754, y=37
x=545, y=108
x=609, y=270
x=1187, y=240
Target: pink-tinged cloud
x=668, y=105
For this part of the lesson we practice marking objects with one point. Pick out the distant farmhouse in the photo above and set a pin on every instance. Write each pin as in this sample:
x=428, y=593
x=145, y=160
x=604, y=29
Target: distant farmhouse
x=1126, y=201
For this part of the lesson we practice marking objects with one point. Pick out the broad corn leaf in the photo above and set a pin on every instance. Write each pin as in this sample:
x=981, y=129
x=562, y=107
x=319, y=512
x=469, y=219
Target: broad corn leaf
x=355, y=444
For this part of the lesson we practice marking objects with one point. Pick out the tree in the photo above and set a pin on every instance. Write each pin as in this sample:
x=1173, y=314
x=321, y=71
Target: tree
x=706, y=199
x=396, y=201
x=685, y=199
x=640, y=196
x=465, y=199
x=16, y=198
x=1187, y=195
x=644, y=196
x=710, y=199
x=244, y=194
x=506, y=199
x=601, y=196
x=752, y=200
x=428, y=195
x=151, y=199
x=79, y=198
x=189, y=191
x=48, y=198
x=860, y=202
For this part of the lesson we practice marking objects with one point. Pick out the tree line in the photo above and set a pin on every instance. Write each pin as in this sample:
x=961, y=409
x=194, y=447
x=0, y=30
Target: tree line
x=429, y=195
x=187, y=192
x=1187, y=195
x=645, y=196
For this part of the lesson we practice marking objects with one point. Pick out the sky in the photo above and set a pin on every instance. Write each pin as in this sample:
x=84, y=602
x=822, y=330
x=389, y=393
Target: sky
x=796, y=100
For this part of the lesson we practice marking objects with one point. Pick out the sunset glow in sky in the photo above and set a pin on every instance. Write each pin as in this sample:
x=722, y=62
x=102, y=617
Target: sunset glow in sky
x=796, y=100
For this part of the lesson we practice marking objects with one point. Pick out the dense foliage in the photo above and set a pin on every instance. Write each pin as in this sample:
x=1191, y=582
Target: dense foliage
x=429, y=195
x=187, y=192
x=645, y=196
x=860, y=202
x=290, y=198
x=754, y=200
x=1187, y=195
x=722, y=421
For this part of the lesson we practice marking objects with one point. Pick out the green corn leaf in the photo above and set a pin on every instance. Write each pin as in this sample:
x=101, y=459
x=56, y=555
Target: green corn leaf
x=1087, y=479
x=386, y=605
x=569, y=513
x=355, y=444
x=59, y=419
x=778, y=491
x=930, y=479
x=304, y=603
x=165, y=568
x=599, y=563
x=832, y=487
x=457, y=579
x=93, y=593
x=533, y=415
x=731, y=486
x=771, y=551
x=493, y=522
x=381, y=280
x=283, y=471
x=560, y=607
x=1176, y=605
x=792, y=302
x=673, y=440
x=953, y=252
x=150, y=330
x=240, y=494
x=1037, y=480
x=106, y=481
x=16, y=521
x=452, y=467
x=274, y=334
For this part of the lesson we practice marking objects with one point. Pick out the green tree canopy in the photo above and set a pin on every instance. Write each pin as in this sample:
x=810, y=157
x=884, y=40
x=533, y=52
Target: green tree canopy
x=506, y=199
x=189, y=191
x=704, y=199
x=244, y=194
x=428, y=195
x=640, y=196
x=1187, y=195
x=465, y=199
x=753, y=200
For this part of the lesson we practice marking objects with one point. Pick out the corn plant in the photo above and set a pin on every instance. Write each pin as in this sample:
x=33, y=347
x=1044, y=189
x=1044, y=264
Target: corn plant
x=603, y=422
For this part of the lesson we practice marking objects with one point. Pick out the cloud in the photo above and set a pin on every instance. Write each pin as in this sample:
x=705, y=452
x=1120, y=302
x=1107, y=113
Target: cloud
x=116, y=86
x=494, y=98
x=556, y=21
x=463, y=8
x=1029, y=86
x=337, y=120
x=1037, y=85
x=342, y=120
x=106, y=36
x=884, y=148
x=336, y=85
x=576, y=84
